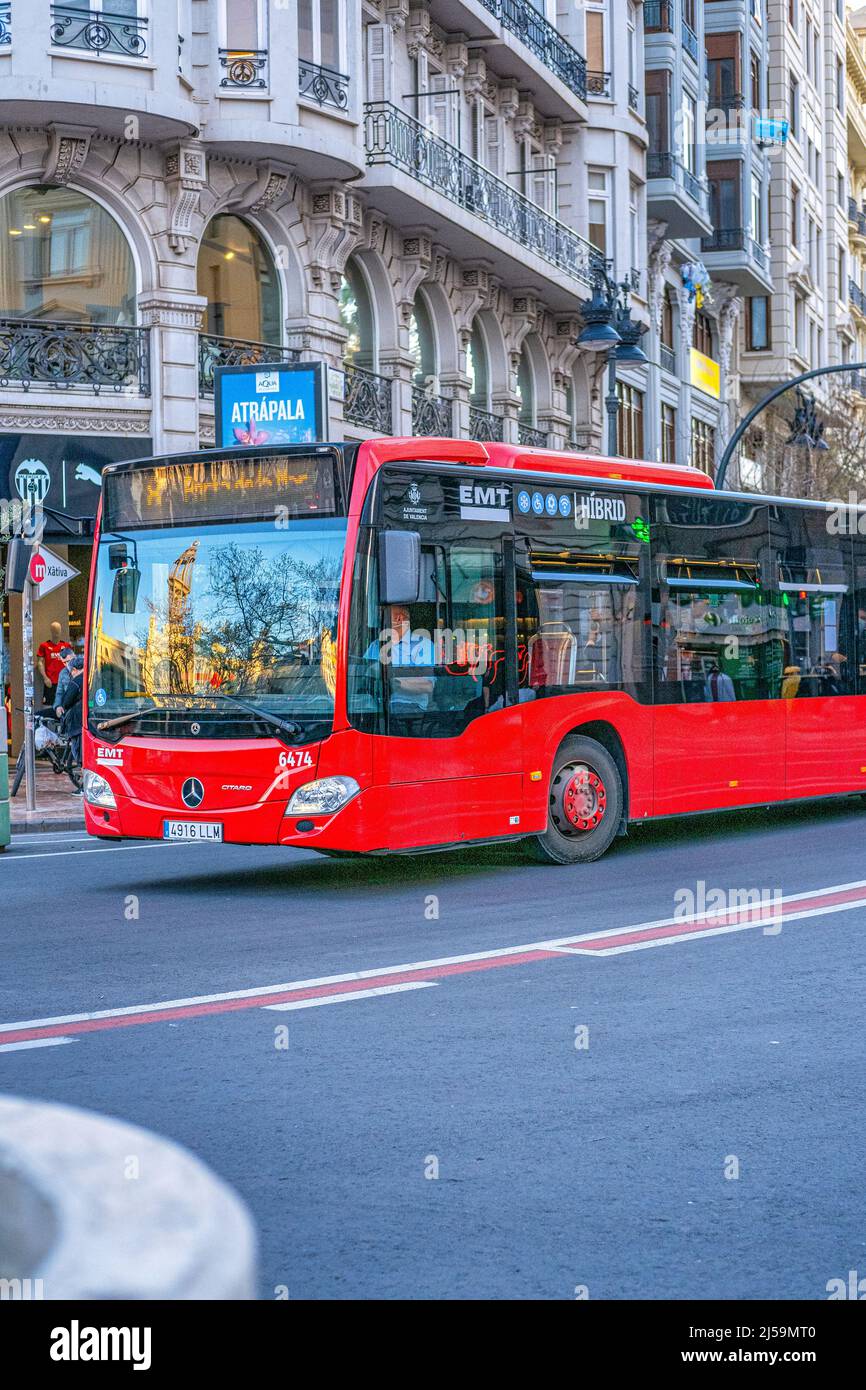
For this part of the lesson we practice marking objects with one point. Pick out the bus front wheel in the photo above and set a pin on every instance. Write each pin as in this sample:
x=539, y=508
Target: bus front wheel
x=584, y=804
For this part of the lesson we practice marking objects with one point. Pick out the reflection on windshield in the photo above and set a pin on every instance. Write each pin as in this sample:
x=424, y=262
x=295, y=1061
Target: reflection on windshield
x=249, y=611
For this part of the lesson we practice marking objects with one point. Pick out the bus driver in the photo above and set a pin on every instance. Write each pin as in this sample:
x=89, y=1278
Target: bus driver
x=399, y=648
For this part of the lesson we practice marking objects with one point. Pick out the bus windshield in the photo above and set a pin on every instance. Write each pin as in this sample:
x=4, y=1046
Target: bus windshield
x=208, y=616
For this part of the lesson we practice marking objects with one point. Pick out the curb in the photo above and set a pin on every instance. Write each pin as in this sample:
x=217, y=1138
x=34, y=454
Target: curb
x=24, y=827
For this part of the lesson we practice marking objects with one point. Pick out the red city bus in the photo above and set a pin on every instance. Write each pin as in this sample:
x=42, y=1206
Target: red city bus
x=414, y=644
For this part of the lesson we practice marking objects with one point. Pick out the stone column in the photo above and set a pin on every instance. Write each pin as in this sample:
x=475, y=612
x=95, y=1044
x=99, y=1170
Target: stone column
x=174, y=320
x=684, y=413
x=658, y=262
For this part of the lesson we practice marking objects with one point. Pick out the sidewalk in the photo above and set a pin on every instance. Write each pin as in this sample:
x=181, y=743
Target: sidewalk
x=57, y=807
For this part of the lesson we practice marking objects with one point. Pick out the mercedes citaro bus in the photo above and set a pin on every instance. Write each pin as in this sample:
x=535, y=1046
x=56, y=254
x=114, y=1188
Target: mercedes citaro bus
x=413, y=644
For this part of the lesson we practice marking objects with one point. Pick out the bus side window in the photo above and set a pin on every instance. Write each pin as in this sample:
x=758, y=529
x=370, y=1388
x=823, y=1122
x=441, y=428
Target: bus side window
x=815, y=598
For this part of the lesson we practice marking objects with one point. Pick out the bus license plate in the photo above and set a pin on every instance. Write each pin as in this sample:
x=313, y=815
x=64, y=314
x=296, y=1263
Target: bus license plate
x=192, y=830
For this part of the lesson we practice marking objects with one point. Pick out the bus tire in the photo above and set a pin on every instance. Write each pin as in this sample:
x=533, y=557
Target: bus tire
x=585, y=804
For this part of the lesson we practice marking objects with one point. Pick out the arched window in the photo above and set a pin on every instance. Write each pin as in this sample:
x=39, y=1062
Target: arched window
x=356, y=313
x=237, y=276
x=570, y=408
x=63, y=259
x=478, y=370
x=422, y=343
x=526, y=389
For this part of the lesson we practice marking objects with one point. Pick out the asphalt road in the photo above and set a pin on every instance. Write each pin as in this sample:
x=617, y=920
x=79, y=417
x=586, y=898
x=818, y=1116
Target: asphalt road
x=461, y=1135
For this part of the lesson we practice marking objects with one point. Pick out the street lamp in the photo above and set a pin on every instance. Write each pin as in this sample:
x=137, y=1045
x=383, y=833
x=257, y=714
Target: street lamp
x=609, y=327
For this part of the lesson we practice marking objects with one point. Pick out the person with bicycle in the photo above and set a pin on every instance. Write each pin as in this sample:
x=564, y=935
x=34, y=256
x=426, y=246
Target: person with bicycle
x=71, y=705
x=67, y=656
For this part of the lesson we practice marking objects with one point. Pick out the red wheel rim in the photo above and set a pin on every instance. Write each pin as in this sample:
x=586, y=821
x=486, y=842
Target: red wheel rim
x=578, y=799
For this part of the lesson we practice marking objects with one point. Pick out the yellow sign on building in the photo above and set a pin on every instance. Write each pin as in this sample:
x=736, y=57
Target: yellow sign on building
x=705, y=375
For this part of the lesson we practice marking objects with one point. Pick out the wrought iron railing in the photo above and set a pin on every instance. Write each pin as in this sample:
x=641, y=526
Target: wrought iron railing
x=690, y=41
x=725, y=239
x=523, y=19
x=98, y=31
x=485, y=426
x=214, y=351
x=367, y=399
x=530, y=437
x=668, y=358
x=665, y=165
x=760, y=254
x=65, y=356
x=431, y=415
x=633, y=98
x=852, y=202
x=5, y=22
x=393, y=137
x=323, y=85
x=248, y=68
x=598, y=84
x=857, y=297
x=658, y=17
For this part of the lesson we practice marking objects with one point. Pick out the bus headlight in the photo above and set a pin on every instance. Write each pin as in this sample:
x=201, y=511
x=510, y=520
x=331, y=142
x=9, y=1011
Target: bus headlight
x=322, y=798
x=96, y=790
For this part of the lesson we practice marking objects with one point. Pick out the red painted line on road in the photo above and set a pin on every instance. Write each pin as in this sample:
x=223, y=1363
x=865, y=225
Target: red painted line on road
x=756, y=913
x=259, y=1001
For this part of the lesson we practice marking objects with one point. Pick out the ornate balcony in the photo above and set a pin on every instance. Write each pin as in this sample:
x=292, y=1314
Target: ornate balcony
x=484, y=426
x=323, y=85
x=235, y=352
x=431, y=415
x=633, y=99
x=521, y=18
x=857, y=298
x=72, y=356
x=667, y=359
x=598, y=84
x=658, y=17
x=98, y=31
x=676, y=195
x=5, y=23
x=743, y=260
x=247, y=70
x=690, y=41
x=395, y=138
x=530, y=437
x=367, y=400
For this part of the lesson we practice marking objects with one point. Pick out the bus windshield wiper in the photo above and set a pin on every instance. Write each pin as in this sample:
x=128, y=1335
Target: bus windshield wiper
x=288, y=726
x=126, y=718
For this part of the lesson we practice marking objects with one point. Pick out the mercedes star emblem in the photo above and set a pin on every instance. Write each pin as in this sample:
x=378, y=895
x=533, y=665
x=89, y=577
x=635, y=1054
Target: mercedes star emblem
x=192, y=792
x=195, y=728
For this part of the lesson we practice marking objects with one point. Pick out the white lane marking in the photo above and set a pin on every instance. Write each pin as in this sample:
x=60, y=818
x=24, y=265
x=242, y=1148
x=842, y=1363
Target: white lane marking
x=347, y=998
x=554, y=946
x=35, y=1042
x=113, y=849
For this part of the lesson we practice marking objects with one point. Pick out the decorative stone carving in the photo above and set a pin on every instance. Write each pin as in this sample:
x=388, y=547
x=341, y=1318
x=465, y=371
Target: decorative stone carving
x=415, y=265
x=68, y=148
x=163, y=309
x=456, y=57
x=396, y=14
x=336, y=221
x=553, y=135
x=475, y=77
x=658, y=261
x=525, y=121
x=19, y=420
x=185, y=179
x=728, y=317
x=267, y=188
x=509, y=100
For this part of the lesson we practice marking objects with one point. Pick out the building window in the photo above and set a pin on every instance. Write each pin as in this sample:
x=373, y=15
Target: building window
x=595, y=37
x=538, y=176
x=237, y=276
x=800, y=326
x=477, y=369
x=658, y=110
x=629, y=422
x=758, y=323
x=724, y=180
x=755, y=81
x=840, y=85
x=319, y=32
x=358, y=318
x=795, y=215
x=690, y=122
x=668, y=434
x=703, y=446
x=702, y=334
x=794, y=108
x=63, y=258
x=840, y=287
x=242, y=26
x=599, y=209
x=422, y=346
x=757, y=218
x=486, y=141
x=526, y=389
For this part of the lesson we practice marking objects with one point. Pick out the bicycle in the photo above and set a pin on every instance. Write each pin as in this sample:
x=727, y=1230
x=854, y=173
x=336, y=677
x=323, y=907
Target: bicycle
x=55, y=748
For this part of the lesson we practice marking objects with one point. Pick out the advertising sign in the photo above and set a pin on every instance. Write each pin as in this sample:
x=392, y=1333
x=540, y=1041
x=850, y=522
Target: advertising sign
x=270, y=403
x=706, y=375
x=61, y=471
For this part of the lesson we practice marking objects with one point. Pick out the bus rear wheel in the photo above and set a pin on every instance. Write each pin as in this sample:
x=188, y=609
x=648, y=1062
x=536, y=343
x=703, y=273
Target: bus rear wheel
x=584, y=804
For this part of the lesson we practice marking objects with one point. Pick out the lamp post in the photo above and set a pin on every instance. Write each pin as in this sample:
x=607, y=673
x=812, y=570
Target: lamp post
x=609, y=327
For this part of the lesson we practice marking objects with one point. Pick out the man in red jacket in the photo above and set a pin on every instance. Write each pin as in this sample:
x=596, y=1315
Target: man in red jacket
x=49, y=662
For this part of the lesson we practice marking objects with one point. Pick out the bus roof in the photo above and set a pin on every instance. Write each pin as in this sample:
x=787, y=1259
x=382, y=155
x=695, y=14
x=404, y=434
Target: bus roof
x=388, y=450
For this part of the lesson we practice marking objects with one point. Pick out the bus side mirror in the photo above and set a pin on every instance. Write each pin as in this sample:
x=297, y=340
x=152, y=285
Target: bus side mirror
x=124, y=590
x=399, y=566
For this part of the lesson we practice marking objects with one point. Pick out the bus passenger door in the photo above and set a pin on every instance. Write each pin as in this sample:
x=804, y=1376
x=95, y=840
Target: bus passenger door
x=719, y=724
x=452, y=752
